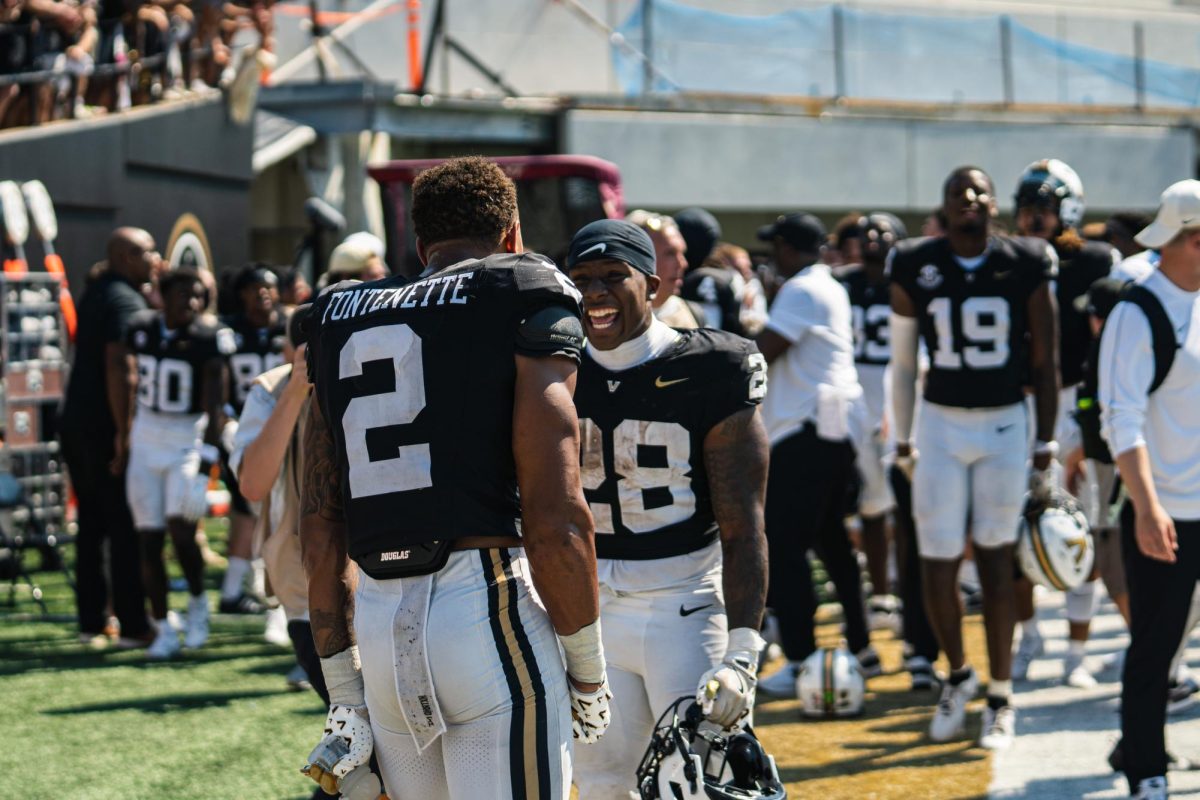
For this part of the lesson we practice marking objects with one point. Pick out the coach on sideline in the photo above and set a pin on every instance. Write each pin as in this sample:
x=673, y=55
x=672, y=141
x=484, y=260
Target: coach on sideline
x=1149, y=391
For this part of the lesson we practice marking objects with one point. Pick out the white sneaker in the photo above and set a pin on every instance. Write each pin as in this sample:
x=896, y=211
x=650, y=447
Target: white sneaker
x=950, y=716
x=999, y=728
x=1031, y=647
x=276, y=630
x=781, y=684
x=1151, y=789
x=165, y=644
x=196, y=632
x=1077, y=674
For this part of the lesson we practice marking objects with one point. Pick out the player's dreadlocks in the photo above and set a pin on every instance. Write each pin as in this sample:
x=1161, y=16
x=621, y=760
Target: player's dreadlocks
x=464, y=198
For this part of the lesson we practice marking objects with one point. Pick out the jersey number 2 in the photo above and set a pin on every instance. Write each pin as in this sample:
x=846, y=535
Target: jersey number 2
x=410, y=468
x=985, y=326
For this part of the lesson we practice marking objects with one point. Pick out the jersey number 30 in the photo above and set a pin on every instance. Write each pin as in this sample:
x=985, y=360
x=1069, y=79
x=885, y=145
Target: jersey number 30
x=985, y=327
x=410, y=468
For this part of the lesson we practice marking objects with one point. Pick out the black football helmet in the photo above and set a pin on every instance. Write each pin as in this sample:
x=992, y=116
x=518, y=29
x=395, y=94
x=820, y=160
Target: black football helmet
x=686, y=762
x=1052, y=183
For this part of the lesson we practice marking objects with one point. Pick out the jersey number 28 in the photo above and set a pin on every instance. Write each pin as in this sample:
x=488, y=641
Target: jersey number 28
x=636, y=442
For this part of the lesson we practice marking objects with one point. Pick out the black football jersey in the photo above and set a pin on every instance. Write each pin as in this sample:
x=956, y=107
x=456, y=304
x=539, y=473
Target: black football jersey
x=871, y=306
x=714, y=290
x=171, y=364
x=258, y=350
x=1077, y=271
x=973, y=322
x=642, y=450
x=415, y=380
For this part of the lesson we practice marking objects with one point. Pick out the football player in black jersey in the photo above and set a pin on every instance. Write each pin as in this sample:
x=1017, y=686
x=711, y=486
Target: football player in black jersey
x=674, y=468
x=433, y=402
x=984, y=307
x=870, y=303
x=181, y=388
x=259, y=331
x=1049, y=203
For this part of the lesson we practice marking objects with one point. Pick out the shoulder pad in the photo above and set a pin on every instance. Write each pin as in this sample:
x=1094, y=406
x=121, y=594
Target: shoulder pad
x=551, y=331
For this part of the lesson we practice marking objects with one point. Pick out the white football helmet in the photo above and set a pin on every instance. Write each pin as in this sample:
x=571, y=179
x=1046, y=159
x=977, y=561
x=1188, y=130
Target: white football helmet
x=1055, y=548
x=830, y=684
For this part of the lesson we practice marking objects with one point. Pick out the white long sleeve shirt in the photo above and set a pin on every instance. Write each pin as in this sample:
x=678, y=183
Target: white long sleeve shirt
x=1167, y=422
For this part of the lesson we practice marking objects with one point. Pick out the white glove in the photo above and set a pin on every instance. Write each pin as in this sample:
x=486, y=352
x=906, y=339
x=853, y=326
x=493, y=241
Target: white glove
x=347, y=720
x=194, y=503
x=589, y=712
x=352, y=725
x=726, y=692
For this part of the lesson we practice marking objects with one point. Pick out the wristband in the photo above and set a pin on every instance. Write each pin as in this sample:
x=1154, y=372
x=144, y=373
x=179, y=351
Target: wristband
x=1049, y=448
x=584, y=653
x=343, y=678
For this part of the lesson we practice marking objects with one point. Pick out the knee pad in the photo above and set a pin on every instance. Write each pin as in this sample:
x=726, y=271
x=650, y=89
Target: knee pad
x=1081, y=602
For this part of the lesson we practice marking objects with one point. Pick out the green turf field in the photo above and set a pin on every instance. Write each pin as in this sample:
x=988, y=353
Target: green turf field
x=90, y=725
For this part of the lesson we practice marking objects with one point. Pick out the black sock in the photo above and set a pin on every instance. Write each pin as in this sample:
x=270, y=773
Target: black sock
x=997, y=703
x=957, y=676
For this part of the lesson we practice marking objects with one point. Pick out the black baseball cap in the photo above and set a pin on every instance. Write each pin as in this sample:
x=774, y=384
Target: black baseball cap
x=612, y=239
x=1101, y=297
x=802, y=231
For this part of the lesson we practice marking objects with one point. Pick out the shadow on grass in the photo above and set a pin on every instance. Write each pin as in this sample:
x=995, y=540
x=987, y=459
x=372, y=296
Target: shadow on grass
x=164, y=704
x=66, y=655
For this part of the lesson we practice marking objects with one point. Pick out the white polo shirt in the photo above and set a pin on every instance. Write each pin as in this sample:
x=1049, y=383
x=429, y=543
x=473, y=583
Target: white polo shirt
x=1168, y=421
x=815, y=379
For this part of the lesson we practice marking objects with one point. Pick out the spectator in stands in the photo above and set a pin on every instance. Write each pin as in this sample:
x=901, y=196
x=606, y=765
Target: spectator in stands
x=94, y=427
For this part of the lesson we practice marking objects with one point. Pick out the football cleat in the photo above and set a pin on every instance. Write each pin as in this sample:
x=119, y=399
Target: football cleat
x=688, y=761
x=1151, y=789
x=883, y=614
x=999, y=728
x=831, y=684
x=244, y=603
x=949, y=718
x=165, y=645
x=868, y=662
x=920, y=673
x=196, y=632
x=782, y=683
x=1076, y=673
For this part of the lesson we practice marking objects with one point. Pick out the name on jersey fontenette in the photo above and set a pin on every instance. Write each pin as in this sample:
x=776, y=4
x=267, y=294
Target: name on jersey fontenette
x=361, y=301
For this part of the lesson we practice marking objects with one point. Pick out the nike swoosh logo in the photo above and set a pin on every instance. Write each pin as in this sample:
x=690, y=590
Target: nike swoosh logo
x=661, y=384
x=683, y=612
x=601, y=246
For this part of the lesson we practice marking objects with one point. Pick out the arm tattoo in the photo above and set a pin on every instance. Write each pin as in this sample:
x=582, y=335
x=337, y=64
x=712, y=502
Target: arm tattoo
x=332, y=632
x=736, y=455
x=322, y=493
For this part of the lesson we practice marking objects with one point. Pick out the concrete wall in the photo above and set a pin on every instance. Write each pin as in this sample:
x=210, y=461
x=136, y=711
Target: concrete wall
x=757, y=162
x=144, y=168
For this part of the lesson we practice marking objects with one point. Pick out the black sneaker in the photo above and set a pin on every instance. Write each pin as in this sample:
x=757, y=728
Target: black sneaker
x=242, y=604
x=1181, y=695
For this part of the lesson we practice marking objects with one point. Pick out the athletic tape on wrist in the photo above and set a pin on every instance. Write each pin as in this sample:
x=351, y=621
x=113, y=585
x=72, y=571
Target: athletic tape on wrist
x=744, y=645
x=584, y=653
x=343, y=678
